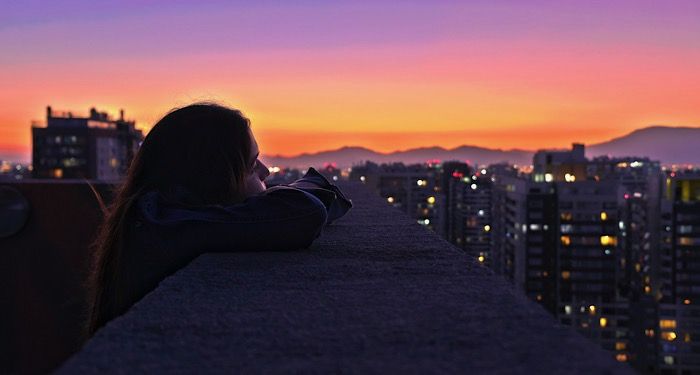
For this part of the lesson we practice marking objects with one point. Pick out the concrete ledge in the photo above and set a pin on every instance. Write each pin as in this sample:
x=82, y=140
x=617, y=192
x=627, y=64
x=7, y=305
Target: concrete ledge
x=376, y=293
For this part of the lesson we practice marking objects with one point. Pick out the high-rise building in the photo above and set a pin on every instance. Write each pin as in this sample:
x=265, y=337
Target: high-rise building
x=678, y=329
x=92, y=147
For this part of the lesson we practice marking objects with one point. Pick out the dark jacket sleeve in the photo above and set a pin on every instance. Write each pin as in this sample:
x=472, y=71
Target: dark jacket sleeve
x=280, y=218
x=336, y=203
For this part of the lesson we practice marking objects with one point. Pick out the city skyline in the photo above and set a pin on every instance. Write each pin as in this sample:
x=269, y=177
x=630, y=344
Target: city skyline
x=313, y=76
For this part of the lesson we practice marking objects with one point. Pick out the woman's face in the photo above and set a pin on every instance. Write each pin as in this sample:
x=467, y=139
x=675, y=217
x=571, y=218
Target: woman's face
x=254, y=182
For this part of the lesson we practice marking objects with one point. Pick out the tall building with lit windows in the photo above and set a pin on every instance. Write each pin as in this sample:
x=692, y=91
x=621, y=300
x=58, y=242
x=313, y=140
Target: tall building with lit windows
x=678, y=329
x=591, y=263
x=469, y=207
x=92, y=147
x=580, y=237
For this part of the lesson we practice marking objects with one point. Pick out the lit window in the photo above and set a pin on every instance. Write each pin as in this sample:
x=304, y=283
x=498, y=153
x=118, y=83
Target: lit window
x=431, y=200
x=668, y=359
x=362, y=178
x=622, y=357
x=566, y=216
x=668, y=336
x=480, y=212
x=565, y=240
x=608, y=240
x=390, y=199
x=487, y=228
x=620, y=345
x=603, y=216
x=473, y=186
x=686, y=241
x=686, y=301
x=567, y=310
x=548, y=177
x=565, y=275
x=649, y=332
x=604, y=323
x=686, y=337
x=591, y=309
x=421, y=182
x=569, y=177
x=481, y=258
x=667, y=323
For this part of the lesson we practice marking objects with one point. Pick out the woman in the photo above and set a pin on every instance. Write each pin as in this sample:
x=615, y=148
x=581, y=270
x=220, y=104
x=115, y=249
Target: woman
x=196, y=185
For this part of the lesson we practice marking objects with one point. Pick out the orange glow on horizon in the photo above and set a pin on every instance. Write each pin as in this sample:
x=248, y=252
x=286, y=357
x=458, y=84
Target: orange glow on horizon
x=529, y=95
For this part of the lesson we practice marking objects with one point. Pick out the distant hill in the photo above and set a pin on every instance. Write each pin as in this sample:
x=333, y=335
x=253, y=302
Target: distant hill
x=679, y=145
x=348, y=156
x=670, y=145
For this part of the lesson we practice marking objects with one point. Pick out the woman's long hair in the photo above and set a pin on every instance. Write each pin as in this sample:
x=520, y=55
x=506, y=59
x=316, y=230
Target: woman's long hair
x=202, y=147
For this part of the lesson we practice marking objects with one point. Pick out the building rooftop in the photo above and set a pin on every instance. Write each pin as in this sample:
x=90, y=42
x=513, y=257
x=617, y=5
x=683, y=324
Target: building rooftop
x=375, y=293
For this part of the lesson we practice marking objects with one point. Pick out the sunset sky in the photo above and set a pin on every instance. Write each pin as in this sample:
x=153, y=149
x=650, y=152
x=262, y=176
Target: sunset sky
x=388, y=75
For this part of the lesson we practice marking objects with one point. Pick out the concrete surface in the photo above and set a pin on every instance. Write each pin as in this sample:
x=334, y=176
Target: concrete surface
x=376, y=293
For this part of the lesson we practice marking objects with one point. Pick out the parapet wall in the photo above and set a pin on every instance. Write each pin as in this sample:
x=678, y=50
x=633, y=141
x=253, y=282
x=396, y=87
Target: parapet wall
x=375, y=293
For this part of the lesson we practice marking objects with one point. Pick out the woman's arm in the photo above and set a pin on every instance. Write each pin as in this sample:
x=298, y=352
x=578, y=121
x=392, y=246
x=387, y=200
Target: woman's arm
x=333, y=199
x=280, y=218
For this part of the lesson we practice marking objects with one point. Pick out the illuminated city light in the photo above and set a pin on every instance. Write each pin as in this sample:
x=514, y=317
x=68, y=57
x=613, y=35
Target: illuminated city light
x=487, y=228
x=480, y=212
x=363, y=178
x=569, y=177
x=390, y=199
x=481, y=258
x=668, y=359
x=686, y=301
x=483, y=171
x=608, y=240
x=274, y=169
x=603, y=216
x=603, y=322
x=431, y=200
x=567, y=310
x=421, y=182
x=668, y=336
x=622, y=357
x=667, y=323
x=565, y=275
x=620, y=345
x=591, y=309
x=473, y=186
x=565, y=240
x=548, y=177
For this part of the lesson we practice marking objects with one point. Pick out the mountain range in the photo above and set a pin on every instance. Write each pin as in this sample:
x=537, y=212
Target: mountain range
x=670, y=145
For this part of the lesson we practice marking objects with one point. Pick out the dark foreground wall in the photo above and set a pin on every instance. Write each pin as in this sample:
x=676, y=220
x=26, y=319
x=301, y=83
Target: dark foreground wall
x=43, y=267
x=376, y=293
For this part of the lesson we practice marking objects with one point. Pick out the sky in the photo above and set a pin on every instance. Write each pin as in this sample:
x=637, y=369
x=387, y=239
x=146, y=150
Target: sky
x=387, y=75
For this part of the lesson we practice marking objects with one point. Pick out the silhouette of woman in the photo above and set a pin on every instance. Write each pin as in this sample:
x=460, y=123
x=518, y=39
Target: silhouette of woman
x=196, y=185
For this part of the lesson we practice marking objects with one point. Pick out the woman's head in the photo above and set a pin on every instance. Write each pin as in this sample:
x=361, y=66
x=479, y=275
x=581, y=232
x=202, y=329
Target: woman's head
x=207, y=148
